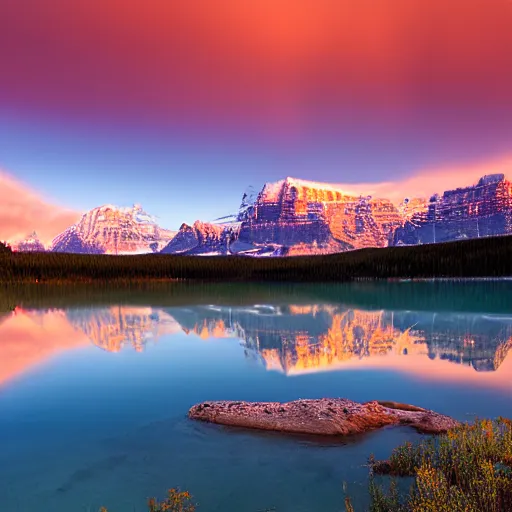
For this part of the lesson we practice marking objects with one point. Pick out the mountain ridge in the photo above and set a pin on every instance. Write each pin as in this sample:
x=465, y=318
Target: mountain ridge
x=109, y=229
x=300, y=217
x=294, y=216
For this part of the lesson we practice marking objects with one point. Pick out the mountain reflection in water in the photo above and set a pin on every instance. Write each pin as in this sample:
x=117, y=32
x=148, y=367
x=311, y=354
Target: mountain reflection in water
x=96, y=382
x=292, y=338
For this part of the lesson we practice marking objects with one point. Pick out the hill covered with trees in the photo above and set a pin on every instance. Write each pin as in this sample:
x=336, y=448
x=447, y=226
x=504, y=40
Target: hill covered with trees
x=486, y=257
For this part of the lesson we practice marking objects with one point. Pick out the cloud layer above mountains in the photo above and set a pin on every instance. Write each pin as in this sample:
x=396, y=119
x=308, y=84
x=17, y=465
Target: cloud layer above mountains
x=426, y=182
x=23, y=210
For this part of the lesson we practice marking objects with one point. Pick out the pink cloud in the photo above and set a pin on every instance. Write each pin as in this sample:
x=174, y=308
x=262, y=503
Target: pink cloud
x=23, y=210
x=428, y=181
x=438, y=179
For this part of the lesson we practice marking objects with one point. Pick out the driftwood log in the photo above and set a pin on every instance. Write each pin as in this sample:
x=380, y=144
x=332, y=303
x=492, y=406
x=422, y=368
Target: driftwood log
x=324, y=416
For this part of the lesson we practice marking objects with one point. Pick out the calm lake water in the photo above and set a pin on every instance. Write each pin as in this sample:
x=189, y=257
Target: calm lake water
x=95, y=385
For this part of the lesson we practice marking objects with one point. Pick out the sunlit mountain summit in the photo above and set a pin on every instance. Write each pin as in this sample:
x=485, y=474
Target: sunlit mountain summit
x=298, y=217
x=110, y=229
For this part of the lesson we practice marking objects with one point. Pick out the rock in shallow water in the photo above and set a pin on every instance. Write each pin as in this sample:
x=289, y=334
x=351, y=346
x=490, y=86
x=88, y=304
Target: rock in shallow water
x=324, y=416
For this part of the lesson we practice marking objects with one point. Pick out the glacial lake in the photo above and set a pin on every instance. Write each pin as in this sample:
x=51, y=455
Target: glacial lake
x=96, y=382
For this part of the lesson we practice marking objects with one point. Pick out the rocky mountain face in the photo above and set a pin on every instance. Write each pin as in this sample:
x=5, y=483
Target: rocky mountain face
x=112, y=230
x=201, y=238
x=30, y=244
x=318, y=217
x=484, y=209
x=294, y=217
x=245, y=209
x=299, y=217
x=72, y=241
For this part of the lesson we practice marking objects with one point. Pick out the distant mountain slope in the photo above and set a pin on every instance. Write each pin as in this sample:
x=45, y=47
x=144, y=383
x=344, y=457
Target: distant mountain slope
x=319, y=217
x=484, y=209
x=72, y=241
x=30, y=244
x=300, y=217
x=201, y=238
x=112, y=230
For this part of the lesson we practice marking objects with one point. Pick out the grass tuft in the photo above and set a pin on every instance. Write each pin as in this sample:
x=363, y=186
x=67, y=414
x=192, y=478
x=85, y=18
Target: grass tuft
x=176, y=501
x=468, y=469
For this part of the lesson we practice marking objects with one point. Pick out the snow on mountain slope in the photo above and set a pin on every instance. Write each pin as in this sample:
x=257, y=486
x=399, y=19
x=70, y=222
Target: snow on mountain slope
x=244, y=211
x=299, y=217
x=29, y=244
x=201, y=238
x=271, y=192
x=109, y=229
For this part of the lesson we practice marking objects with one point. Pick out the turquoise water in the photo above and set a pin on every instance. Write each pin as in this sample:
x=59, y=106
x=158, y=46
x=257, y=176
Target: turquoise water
x=95, y=385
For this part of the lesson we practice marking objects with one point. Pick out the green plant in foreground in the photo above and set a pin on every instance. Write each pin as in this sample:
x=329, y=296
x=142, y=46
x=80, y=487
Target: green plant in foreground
x=176, y=501
x=391, y=500
x=468, y=469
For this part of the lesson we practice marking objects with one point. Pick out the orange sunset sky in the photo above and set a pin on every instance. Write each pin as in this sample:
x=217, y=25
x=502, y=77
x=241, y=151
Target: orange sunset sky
x=181, y=105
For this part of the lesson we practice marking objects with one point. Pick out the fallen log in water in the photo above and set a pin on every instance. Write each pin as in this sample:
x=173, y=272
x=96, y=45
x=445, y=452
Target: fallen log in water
x=324, y=416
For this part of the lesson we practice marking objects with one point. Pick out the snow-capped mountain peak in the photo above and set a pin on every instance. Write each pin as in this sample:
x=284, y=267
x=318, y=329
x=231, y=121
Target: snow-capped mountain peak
x=247, y=203
x=112, y=229
x=30, y=244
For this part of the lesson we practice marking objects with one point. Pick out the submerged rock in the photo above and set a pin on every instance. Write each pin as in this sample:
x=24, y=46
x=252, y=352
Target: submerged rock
x=324, y=416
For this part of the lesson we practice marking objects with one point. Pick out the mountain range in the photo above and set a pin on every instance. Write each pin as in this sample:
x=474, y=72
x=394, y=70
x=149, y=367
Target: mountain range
x=112, y=230
x=298, y=217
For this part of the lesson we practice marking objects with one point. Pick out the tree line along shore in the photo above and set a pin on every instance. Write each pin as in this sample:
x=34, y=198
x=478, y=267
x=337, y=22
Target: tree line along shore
x=484, y=257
